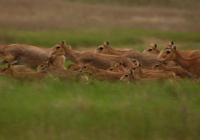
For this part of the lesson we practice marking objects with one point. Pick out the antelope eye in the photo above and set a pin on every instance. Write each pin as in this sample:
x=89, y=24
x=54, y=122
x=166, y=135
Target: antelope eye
x=134, y=68
x=168, y=52
x=156, y=65
x=84, y=67
x=150, y=50
x=126, y=75
x=57, y=47
x=101, y=48
x=111, y=69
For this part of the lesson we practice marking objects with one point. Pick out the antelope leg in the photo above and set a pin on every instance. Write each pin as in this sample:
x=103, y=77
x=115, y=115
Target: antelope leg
x=16, y=62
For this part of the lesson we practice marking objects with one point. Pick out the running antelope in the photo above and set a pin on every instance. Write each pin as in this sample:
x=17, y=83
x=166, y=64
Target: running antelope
x=99, y=74
x=101, y=61
x=24, y=75
x=29, y=55
x=177, y=70
x=192, y=65
x=139, y=73
x=146, y=60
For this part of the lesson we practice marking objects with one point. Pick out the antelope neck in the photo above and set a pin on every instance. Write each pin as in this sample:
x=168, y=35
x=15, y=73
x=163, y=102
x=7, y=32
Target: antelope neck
x=114, y=51
x=72, y=55
x=182, y=61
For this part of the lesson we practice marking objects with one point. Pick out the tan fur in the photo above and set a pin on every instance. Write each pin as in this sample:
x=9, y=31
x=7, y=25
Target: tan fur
x=29, y=55
x=192, y=65
x=21, y=68
x=101, y=61
x=57, y=61
x=177, y=70
x=129, y=77
x=118, y=67
x=99, y=74
x=185, y=53
x=139, y=73
x=106, y=49
x=74, y=67
x=56, y=66
x=152, y=50
x=24, y=75
x=146, y=60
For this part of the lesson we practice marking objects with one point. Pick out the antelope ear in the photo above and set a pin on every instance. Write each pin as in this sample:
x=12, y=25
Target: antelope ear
x=116, y=64
x=137, y=63
x=174, y=47
x=155, y=45
x=48, y=63
x=63, y=42
x=106, y=44
x=171, y=43
x=69, y=46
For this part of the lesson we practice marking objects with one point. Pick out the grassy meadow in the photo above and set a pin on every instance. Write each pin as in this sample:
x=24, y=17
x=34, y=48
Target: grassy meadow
x=93, y=37
x=101, y=110
x=67, y=110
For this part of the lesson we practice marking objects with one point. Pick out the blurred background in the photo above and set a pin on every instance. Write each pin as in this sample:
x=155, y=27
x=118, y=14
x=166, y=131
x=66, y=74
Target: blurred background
x=85, y=24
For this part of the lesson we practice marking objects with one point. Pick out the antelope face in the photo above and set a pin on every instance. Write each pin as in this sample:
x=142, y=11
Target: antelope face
x=84, y=68
x=102, y=48
x=57, y=50
x=2, y=70
x=156, y=66
x=125, y=77
x=6, y=70
x=43, y=67
x=135, y=69
x=152, y=49
x=166, y=55
x=111, y=69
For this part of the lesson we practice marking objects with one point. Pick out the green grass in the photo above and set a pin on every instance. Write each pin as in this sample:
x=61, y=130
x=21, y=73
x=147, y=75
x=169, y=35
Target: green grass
x=102, y=110
x=110, y=111
x=94, y=37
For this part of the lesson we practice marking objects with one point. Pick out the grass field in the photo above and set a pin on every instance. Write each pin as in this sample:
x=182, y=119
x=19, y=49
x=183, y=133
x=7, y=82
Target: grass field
x=51, y=110
x=101, y=110
x=93, y=37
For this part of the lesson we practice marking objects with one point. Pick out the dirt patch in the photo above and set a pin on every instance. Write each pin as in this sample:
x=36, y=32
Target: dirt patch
x=62, y=15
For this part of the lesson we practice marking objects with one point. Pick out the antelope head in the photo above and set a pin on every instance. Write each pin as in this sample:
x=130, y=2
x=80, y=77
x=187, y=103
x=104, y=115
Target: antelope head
x=167, y=54
x=102, y=48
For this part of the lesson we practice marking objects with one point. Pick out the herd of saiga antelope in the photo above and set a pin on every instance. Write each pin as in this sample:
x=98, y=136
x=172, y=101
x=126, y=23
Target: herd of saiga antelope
x=104, y=63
